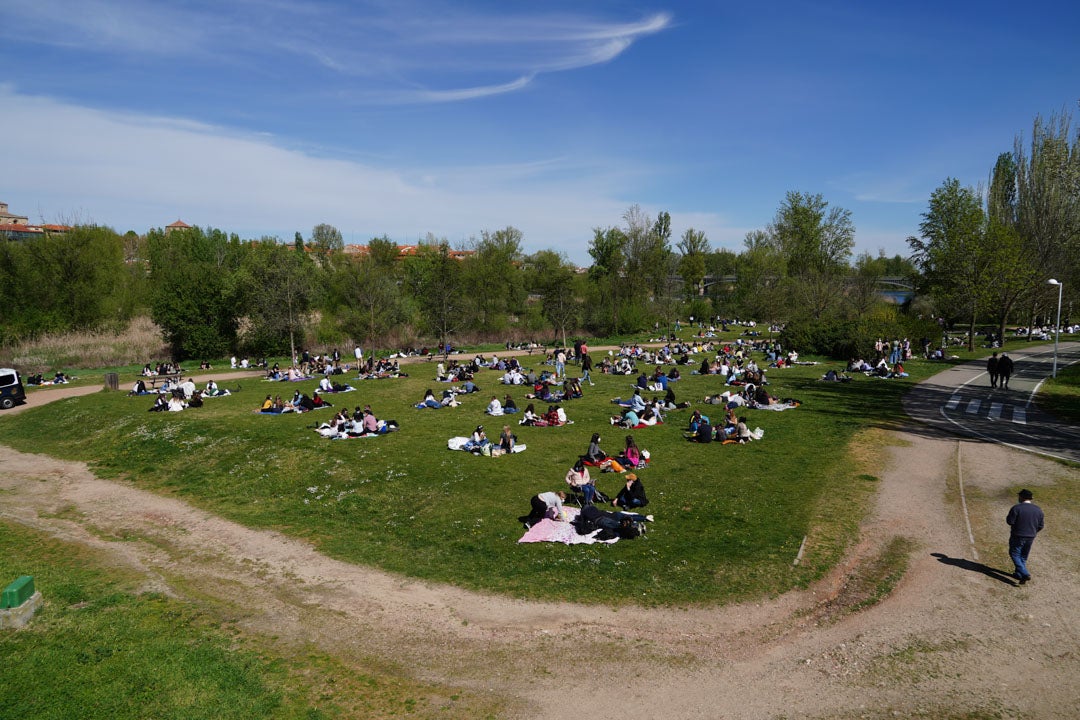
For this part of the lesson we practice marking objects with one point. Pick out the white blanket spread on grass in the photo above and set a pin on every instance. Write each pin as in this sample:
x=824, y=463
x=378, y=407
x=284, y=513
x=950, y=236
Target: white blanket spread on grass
x=458, y=443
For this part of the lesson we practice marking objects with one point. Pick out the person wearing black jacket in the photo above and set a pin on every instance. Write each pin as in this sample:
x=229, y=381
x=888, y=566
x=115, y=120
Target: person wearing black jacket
x=992, y=369
x=1025, y=519
x=631, y=496
x=1005, y=369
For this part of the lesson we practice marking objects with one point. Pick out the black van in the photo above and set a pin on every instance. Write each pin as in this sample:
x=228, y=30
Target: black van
x=11, y=389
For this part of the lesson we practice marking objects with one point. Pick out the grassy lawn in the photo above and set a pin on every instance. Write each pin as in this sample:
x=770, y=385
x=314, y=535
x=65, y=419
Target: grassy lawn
x=730, y=519
x=1061, y=395
x=101, y=648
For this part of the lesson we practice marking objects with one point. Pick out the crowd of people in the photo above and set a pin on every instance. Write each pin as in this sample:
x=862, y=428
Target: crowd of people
x=547, y=384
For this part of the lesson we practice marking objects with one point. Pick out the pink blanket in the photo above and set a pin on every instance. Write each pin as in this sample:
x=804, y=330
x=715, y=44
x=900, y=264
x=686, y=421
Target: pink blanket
x=564, y=532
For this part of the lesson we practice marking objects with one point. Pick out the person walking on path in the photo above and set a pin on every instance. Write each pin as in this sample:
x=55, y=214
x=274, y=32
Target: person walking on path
x=992, y=369
x=1004, y=369
x=1026, y=520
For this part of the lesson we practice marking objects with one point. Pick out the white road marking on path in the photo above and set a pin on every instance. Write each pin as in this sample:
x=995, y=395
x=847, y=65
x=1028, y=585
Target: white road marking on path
x=995, y=411
x=973, y=406
x=1020, y=416
x=963, y=500
x=953, y=402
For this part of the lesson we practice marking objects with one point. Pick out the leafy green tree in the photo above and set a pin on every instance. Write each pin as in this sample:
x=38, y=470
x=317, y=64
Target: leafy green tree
x=327, y=243
x=810, y=236
x=555, y=280
x=607, y=273
x=194, y=297
x=1048, y=203
x=1014, y=273
x=277, y=291
x=433, y=279
x=694, y=248
x=952, y=252
x=862, y=296
x=367, y=299
x=492, y=278
x=77, y=280
x=384, y=253
x=759, y=271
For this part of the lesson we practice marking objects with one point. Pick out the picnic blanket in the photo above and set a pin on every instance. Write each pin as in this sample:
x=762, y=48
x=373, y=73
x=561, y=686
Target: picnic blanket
x=640, y=426
x=556, y=531
x=458, y=443
x=776, y=406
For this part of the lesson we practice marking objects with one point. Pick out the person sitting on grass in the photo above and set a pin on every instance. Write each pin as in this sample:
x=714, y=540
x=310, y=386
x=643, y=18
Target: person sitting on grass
x=529, y=417
x=633, y=495
x=635, y=401
x=742, y=431
x=577, y=477
x=507, y=440
x=509, y=406
x=477, y=440
x=594, y=455
x=494, y=407
x=628, y=419
x=631, y=454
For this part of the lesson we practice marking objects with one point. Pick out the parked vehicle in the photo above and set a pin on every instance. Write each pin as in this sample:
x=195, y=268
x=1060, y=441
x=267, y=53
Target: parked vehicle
x=11, y=389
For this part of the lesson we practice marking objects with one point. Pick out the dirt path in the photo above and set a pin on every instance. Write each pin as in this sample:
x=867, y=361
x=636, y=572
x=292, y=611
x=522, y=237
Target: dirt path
x=949, y=639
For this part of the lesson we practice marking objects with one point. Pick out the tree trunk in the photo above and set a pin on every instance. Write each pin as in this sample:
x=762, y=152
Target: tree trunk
x=971, y=332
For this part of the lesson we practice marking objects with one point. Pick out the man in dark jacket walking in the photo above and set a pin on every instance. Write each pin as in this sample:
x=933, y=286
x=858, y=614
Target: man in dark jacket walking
x=992, y=369
x=1026, y=520
x=1004, y=369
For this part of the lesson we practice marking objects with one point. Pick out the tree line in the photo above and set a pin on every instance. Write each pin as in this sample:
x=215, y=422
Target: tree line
x=983, y=256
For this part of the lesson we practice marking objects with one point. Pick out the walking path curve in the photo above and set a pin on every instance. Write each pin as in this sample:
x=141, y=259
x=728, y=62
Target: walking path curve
x=953, y=638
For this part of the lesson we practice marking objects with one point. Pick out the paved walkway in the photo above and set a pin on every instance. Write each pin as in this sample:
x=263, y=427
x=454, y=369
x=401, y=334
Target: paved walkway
x=960, y=400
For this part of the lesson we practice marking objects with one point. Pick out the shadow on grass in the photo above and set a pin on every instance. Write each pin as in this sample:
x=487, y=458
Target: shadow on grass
x=992, y=573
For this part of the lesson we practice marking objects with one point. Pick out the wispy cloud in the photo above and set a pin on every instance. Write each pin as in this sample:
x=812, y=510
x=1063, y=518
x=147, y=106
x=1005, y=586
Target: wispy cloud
x=137, y=172
x=438, y=96
x=404, y=52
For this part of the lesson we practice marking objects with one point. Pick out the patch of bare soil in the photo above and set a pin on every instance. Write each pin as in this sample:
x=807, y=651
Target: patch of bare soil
x=952, y=639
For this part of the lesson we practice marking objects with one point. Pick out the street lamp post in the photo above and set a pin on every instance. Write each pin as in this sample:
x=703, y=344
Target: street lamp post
x=1057, y=327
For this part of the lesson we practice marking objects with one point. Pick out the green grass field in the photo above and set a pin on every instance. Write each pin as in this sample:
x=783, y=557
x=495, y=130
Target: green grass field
x=101, y=647
x=730, y=519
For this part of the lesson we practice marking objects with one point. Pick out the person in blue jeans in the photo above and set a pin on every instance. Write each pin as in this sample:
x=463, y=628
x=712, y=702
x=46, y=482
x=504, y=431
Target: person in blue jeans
x=631, y=496
x=1026, y=520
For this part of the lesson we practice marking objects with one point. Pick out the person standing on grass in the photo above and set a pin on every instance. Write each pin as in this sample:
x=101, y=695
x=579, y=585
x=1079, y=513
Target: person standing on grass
x=1005, y=370
x=992, y=369
x=1026, y=520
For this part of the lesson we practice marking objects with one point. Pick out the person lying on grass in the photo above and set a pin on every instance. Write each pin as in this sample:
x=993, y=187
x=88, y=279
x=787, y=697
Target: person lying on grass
x=429, y=401
x=625, y=525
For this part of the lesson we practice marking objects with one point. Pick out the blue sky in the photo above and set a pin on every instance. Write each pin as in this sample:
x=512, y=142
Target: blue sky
x=404, y=117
